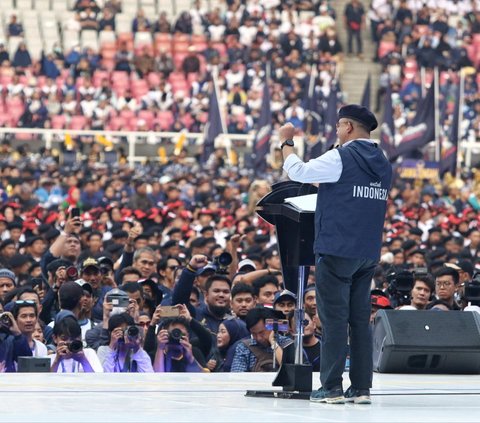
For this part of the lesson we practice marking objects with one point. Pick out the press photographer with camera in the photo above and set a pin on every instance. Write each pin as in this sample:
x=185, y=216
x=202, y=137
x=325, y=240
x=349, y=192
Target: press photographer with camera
x=12, y=343
x=124, y=354
x=174, y=350
x=70, y=356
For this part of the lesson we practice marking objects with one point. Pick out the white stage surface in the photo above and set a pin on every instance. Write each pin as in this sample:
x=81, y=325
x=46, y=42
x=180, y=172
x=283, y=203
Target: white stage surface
x=43, y=397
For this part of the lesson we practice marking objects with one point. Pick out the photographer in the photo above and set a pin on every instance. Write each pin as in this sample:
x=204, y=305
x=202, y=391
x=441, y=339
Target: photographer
x=12, y=343
x=124, y=354
x=70, y=356
x=174, y=350
x=256, y=354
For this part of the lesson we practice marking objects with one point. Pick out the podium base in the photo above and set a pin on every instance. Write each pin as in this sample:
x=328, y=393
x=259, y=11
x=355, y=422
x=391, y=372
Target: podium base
x=279, y=394
x=294, y=377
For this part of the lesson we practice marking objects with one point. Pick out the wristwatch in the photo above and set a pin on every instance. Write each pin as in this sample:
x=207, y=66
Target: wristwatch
x=287, y=142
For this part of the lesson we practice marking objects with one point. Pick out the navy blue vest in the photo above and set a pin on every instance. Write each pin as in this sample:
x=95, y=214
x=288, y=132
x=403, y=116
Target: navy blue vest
x=350, y=213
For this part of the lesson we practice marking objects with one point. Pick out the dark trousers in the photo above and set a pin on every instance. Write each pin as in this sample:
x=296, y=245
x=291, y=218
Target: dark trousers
x=358, y=38
x=343, y=302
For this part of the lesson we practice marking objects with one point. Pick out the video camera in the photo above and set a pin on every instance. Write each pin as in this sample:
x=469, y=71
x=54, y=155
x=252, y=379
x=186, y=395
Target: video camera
x=400, y=284
x=472, y=290
x=221, y=263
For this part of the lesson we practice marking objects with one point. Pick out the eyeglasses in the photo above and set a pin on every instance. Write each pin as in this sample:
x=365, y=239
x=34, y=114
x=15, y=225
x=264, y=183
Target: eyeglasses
x=173, y=267
x=341, y=122
x=144, y=324
x=443, y=284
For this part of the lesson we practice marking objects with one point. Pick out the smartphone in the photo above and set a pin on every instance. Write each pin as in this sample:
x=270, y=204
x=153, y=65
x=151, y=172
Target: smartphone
x=170, y=311
x=37, y=282
x=280, y=325
x=75, y=212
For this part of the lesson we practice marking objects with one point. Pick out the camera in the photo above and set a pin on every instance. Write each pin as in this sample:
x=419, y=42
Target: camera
x=175, y=336
x=5, y=321
x=472, y=290
x=132, y=332
x=75, y=346
x=119, y=300
x=400, y=285
x=72, y=273
x=221, y=263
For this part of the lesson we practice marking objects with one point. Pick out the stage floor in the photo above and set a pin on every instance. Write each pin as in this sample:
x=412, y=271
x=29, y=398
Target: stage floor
x=43, y=397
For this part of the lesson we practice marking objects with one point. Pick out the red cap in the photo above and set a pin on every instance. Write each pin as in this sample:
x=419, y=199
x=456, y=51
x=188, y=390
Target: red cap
x=380, y=301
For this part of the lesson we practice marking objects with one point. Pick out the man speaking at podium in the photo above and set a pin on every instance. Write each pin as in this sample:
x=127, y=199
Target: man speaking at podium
x=354, y=180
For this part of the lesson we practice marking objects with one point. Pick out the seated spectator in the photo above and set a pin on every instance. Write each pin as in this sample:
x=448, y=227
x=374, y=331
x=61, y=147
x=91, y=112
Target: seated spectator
x=123, y=58
x=230, y=332
x=4, y=56
x=70, y=356
x=191, y=63
x=124, y=354
x=14, y=28
x=144, y=62
x=107, y=22
x=140, y=22
x=183, y=24
x=7, y=282
x=21, y=58
x=88, y=19
x=162, y=25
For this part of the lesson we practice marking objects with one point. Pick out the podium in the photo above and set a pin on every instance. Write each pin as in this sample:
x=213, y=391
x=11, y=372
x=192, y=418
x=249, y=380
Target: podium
x=295, y=235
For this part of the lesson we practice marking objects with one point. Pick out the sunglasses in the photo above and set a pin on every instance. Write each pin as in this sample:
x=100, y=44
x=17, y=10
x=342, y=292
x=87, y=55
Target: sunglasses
x=144, y=324
x=25, y=302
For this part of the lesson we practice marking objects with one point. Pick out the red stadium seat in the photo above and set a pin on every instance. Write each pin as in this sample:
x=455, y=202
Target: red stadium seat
x=115, y=123
x=58, y=121
x=153, y=78
x=165, y=119
x=99, y=76
x=148, y=116
x=78, y=122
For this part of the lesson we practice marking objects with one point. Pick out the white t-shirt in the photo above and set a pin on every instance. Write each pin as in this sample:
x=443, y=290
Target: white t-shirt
x=69, y=365
x=40, y=350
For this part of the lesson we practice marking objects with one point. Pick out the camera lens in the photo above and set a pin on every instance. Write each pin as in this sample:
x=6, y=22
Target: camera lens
x=224, y=259
x=175, y=336
x=5, y=320
x=72, y=272
x=75, y=346
x=133, y=332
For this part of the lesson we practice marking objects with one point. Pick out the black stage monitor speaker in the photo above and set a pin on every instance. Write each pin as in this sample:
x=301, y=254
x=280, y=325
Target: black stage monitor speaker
x=410, y=341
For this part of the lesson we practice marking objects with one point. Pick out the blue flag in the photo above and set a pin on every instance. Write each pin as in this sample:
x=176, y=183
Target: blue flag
x=387, y=130
x=449, y=156
x=366, y=93
x=213, y=128
x=261, y=143
x=313, y=120
x=331, y=117
x=422, y=129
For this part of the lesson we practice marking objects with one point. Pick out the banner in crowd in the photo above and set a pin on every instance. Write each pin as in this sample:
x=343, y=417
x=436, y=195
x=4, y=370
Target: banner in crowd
x=366, y=93
x=261, y=143
x=213, y=128
x=421, y=130
x=387, y=129
x=419, y=169
x=331, y=117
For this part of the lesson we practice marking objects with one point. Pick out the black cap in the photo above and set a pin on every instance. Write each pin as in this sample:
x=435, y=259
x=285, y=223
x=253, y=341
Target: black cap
x=360, y=114
x=18, y=260
x=89, y=262
x=55, y=264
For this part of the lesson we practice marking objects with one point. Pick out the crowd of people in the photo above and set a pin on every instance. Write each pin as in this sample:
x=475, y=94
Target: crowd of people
x=167, y=267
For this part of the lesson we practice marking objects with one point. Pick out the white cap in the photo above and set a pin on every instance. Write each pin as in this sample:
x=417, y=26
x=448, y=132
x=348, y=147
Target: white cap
x=246, y=262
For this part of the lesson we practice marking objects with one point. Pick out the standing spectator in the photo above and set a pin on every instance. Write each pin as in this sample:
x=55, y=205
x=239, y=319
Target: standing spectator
x=21, y=58
x=354, y=19
x=14, y=28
